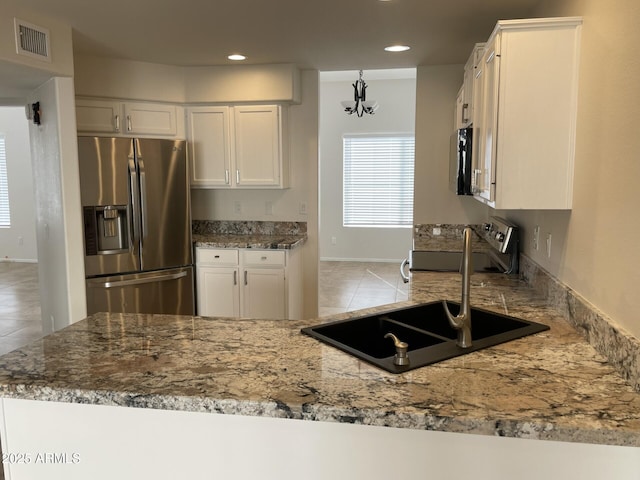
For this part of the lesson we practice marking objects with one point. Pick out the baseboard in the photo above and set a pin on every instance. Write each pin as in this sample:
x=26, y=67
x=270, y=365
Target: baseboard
x=18, y=260
x=620, y=348
x=363, y=260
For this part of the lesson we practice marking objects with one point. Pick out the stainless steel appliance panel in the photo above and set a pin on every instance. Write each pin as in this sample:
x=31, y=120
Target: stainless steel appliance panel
x=447, y=261
x=107, y=177
x=165, y=291
x=460, y=166
x=165, y=218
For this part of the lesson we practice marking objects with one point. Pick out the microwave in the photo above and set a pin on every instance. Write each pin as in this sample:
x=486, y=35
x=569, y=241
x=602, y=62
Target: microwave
x=460, y=167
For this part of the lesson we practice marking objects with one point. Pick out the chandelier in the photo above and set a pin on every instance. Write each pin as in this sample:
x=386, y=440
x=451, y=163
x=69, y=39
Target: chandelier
x=359, y=105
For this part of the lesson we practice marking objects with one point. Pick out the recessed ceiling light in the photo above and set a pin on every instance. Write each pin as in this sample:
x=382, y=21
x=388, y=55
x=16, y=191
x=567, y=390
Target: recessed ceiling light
x=397, y=48
x=237, y=57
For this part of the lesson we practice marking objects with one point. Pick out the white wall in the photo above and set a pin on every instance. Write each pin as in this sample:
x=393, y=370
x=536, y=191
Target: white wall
x=127, y=79
x=18, y=242
x=58, y=215
x=437, y=88
x=595, y=246
x=20, y=74
x=396, y=114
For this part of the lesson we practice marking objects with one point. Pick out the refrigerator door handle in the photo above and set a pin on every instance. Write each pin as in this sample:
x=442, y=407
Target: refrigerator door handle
x=133, y=202
x=143, y=200
x=96, y=283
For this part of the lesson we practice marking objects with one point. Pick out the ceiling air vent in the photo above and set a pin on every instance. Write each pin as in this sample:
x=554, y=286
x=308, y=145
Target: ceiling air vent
x=32, y=41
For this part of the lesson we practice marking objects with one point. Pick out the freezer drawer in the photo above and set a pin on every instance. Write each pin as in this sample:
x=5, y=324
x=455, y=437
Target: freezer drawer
x=163, y=291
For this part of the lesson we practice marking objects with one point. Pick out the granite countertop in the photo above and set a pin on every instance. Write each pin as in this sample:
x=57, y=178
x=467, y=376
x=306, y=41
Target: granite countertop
x=248, y=234
x=225, y=240
x=551, y=386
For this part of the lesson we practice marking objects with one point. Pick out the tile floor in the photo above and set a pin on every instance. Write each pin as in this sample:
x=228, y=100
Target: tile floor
x=346, y=286
x=20, y=321
x=343, y=286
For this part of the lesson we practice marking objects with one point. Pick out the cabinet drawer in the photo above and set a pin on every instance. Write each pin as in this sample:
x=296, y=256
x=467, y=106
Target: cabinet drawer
x=263, y=258
x=216, y=256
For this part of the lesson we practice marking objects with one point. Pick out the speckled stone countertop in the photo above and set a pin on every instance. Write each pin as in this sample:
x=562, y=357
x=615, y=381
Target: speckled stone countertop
x=248, y=234
x=552, y=385
x=222, y=240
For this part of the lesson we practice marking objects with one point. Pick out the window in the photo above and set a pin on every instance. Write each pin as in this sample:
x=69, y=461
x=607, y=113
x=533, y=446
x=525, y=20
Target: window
x=5, y=216
x=378, y=180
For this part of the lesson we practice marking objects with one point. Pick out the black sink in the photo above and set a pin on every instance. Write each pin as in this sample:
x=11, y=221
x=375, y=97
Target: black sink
x=424, y=328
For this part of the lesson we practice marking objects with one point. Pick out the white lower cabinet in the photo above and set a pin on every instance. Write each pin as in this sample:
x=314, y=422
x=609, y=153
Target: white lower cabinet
x=263, y=293
x=248, y=283
x=225, y=302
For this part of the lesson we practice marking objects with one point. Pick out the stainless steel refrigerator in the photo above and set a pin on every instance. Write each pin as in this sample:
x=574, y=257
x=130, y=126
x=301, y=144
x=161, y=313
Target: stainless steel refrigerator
x=137, y=227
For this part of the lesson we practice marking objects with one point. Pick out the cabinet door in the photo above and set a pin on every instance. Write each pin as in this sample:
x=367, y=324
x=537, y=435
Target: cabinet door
x=150, y=119
x=257, y=146
x=459, y=120
x=470, y=70
x=263, y=293
x=98, y=116
x=218, y=291
x=487, y=129
x=210, y=146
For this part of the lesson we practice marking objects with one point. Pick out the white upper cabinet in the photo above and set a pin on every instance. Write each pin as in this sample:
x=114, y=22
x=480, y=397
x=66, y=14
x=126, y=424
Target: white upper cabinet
x=470, y=68
x=525, y=114
x=209, y=146
x=460, y=110
x=150, y=119
x=238, y=147
x=258, y=145
x=127, y=118
x=99, y=116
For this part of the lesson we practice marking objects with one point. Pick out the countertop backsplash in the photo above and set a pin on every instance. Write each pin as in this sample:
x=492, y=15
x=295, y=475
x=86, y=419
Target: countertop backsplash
x=621, y=349
x=445, y=237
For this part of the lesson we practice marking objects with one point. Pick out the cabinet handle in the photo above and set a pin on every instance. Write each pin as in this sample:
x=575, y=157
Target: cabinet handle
x=245, y=278
x=129, y=127
x=235, y=277
x=117, y=123
x=237, y=177
x=474, y=184
x=464, y=118
x=226, y=176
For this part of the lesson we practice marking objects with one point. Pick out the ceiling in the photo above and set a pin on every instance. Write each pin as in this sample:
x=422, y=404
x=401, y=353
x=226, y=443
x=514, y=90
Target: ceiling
x=319, y=34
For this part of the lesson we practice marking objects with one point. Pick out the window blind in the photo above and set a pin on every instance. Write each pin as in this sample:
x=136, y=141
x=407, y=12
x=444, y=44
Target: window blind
x=5, y=215
x=378, y=180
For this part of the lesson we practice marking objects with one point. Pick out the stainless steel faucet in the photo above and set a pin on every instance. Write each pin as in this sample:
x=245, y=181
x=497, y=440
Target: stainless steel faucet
x=462, y=321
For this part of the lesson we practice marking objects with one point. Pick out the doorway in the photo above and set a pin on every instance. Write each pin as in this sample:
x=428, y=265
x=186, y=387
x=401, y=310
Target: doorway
x=395, y=92
x=360, y=265
x=20, y=316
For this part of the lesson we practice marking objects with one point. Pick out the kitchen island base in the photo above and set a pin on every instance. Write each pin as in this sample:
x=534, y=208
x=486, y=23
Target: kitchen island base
x=70, y=441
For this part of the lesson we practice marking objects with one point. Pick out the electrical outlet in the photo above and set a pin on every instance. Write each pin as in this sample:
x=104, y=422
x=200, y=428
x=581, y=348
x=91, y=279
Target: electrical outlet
x=268, y=208
x=20, y=240
x=303, y=208
x=237, y=207
x=333, y=240
x=548, y=245
x=536, y=237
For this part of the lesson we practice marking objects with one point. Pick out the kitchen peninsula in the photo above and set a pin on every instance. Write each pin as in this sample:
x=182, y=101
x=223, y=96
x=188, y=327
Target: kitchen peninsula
x=216, y=398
